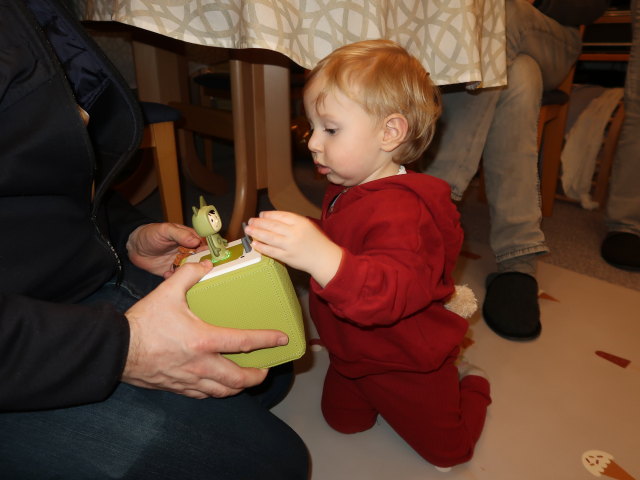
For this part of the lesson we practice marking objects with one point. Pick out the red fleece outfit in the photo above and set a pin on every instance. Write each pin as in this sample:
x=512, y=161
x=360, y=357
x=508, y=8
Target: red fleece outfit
x=391, y=341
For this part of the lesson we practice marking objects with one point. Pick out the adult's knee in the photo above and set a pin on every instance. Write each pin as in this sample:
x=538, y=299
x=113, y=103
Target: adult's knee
x=293, y=462
x=525, y=81
x=234, y=437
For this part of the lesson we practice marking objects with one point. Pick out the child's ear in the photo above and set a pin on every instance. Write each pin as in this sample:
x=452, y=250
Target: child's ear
x=395, y=131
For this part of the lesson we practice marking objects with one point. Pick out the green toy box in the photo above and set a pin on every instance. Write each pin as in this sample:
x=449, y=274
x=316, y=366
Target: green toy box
x=250, y=291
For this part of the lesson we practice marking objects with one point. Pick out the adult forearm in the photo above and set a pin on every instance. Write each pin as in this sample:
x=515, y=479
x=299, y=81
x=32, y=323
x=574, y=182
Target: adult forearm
x=54, y=355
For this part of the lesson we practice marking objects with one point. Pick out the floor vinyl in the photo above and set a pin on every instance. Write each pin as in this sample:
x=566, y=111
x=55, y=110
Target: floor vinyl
x=553, y=398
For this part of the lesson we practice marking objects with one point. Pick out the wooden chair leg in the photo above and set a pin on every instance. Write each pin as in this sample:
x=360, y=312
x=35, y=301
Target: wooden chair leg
x=551, y=150
x=166, y=165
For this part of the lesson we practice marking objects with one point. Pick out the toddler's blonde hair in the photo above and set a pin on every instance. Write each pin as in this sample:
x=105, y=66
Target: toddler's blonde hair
x=384, y=79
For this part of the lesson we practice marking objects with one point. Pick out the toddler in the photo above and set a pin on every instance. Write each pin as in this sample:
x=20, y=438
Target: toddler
x=381, y=256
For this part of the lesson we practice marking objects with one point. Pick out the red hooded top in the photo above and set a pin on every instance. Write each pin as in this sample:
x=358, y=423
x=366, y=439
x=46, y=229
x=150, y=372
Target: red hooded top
x=384, y=309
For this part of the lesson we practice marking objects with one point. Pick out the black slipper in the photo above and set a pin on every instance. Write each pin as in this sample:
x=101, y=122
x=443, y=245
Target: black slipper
x=622, y=250
x=510, y=306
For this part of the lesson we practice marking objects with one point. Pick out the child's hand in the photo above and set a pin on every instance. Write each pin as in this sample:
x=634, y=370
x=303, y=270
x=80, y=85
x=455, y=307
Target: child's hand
x=296, y=241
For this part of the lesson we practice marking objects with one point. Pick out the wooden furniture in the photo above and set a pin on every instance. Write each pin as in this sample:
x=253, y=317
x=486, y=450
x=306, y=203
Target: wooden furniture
x=551, y=126
x=158, y=138
x=462, y=43
x=202, y=119
x=552, y=123
x=200, y=122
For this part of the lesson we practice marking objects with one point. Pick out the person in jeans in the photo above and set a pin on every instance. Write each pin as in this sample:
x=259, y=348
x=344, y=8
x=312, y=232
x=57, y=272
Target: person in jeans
x=621, y=247
x=104, y=371
x=499, y=125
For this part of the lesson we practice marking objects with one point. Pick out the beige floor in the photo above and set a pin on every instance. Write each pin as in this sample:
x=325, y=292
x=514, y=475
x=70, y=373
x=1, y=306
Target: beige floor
x=553, y=398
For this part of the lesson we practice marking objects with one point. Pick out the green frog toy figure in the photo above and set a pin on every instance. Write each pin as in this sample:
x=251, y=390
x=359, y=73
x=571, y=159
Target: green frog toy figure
x=207, y=223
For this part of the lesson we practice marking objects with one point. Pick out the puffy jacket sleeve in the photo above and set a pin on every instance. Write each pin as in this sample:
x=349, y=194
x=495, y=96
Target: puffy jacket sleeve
x=56, y=355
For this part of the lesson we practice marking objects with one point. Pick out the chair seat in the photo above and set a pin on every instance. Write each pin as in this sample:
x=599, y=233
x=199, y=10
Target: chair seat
x=153, y=112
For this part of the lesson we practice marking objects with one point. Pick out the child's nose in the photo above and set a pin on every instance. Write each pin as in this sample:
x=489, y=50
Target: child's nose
x=313, y=143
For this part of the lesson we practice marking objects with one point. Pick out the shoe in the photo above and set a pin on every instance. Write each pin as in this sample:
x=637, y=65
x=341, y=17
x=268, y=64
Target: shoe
x=622, y=250
x=510, y=306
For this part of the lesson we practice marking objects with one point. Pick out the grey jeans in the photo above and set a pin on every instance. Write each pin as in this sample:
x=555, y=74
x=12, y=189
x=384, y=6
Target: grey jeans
x=499, y=125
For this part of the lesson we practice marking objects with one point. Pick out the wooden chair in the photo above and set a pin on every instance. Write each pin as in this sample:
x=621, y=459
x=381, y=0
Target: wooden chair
x=206, y=122
x=551, y=126
x=553, y=121
x=163, y=172
x=243, y=86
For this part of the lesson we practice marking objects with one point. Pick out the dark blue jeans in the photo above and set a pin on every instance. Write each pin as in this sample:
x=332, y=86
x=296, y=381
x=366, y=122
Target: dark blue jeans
x=138, y=433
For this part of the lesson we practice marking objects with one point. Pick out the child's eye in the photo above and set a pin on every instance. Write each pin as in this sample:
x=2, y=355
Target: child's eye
x=331, y=131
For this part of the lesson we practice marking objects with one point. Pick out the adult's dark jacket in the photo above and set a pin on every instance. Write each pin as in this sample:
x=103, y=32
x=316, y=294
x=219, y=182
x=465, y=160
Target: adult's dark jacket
x=59, y=242
x=573, y=12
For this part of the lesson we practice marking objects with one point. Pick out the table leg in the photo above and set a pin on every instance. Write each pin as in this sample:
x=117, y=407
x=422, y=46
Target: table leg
x=262, y=139
x=281, y=185
x=261, y=123
x=245, y=142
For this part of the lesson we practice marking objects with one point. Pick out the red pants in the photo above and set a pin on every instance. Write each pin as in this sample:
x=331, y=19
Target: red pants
x=440, y=416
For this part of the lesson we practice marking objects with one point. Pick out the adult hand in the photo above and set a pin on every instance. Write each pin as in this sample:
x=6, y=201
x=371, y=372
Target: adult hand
x=154, y=246
x=296, y=241
x=172, y=349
